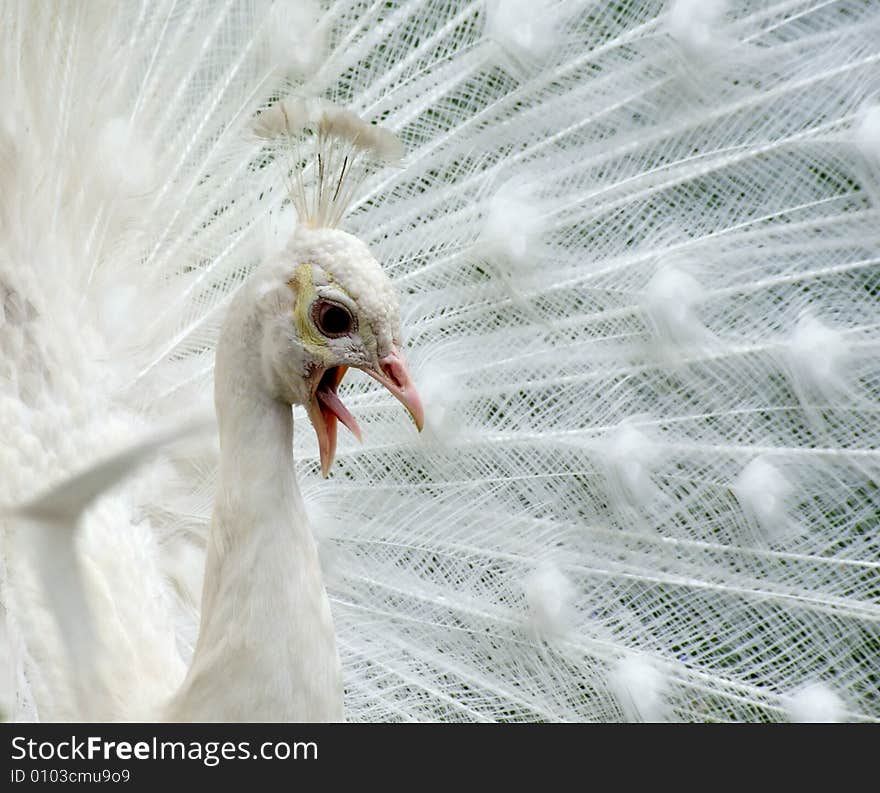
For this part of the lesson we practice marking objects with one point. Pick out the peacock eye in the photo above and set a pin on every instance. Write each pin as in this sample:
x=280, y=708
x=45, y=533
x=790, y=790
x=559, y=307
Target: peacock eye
x=332, y=319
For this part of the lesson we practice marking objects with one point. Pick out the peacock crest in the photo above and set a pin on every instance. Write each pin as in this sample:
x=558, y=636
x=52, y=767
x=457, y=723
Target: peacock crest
x=325, y=152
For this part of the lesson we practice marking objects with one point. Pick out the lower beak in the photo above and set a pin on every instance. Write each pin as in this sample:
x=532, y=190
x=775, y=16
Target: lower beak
x=325, y=408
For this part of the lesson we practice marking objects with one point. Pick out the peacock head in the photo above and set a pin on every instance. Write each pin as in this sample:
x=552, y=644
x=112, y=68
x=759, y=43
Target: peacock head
x=327, y=306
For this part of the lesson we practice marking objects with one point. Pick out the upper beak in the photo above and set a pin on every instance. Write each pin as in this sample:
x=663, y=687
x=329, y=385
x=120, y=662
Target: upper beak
x=325, y=408
x=394, y=375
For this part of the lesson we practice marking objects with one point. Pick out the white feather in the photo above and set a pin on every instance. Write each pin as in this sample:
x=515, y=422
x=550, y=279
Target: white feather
x=297, y=39
x=697, y=26
x=816, y=703
x=640, y=689
x=549, y=595
x=868, y=132
x=527, y=31
x=765, y=495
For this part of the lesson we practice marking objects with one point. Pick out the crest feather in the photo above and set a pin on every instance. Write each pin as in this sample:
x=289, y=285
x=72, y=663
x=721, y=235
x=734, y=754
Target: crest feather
x=329, y=151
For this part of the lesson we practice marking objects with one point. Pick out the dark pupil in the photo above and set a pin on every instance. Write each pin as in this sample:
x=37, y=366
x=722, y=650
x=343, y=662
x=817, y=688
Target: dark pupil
x=335, y=320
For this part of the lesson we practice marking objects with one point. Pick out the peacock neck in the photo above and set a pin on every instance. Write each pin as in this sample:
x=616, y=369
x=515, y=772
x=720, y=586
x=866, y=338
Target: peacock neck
x=266, y=649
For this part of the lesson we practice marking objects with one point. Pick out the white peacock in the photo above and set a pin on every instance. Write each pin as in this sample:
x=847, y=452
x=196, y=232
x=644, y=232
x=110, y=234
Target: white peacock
x=634, y=246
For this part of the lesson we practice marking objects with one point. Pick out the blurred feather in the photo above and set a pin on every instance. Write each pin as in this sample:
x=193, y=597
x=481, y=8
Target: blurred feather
x=65, y=503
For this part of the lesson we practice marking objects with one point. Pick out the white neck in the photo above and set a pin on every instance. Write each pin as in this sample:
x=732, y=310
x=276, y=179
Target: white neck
x=266, y=649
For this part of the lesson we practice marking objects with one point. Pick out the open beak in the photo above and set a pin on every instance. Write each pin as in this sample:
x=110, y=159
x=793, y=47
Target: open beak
x=325, y=407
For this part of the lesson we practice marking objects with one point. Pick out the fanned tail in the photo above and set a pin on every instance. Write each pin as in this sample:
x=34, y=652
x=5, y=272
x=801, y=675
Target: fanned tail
x=115, y=126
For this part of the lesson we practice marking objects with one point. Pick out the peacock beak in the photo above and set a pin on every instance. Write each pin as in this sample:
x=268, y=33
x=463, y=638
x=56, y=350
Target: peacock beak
x=393, y=374
x=325, y=409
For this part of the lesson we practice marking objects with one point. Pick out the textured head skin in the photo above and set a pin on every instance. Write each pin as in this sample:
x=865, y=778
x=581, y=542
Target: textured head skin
x=331, y=265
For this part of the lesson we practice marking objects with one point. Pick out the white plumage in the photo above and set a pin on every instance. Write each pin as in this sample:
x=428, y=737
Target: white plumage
x=636, y=250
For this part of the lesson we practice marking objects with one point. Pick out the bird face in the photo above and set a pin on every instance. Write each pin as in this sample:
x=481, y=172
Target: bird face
x=328, y=306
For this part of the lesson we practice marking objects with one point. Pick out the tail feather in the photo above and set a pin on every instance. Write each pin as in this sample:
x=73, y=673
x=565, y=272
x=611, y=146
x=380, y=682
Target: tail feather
x=47, y=533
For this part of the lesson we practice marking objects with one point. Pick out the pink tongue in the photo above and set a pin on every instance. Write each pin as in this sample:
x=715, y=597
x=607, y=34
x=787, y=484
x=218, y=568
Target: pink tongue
x=331, y=401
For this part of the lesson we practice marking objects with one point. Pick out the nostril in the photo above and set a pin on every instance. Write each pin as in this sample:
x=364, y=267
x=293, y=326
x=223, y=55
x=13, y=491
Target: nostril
x=394, y=369
x=392, y=372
